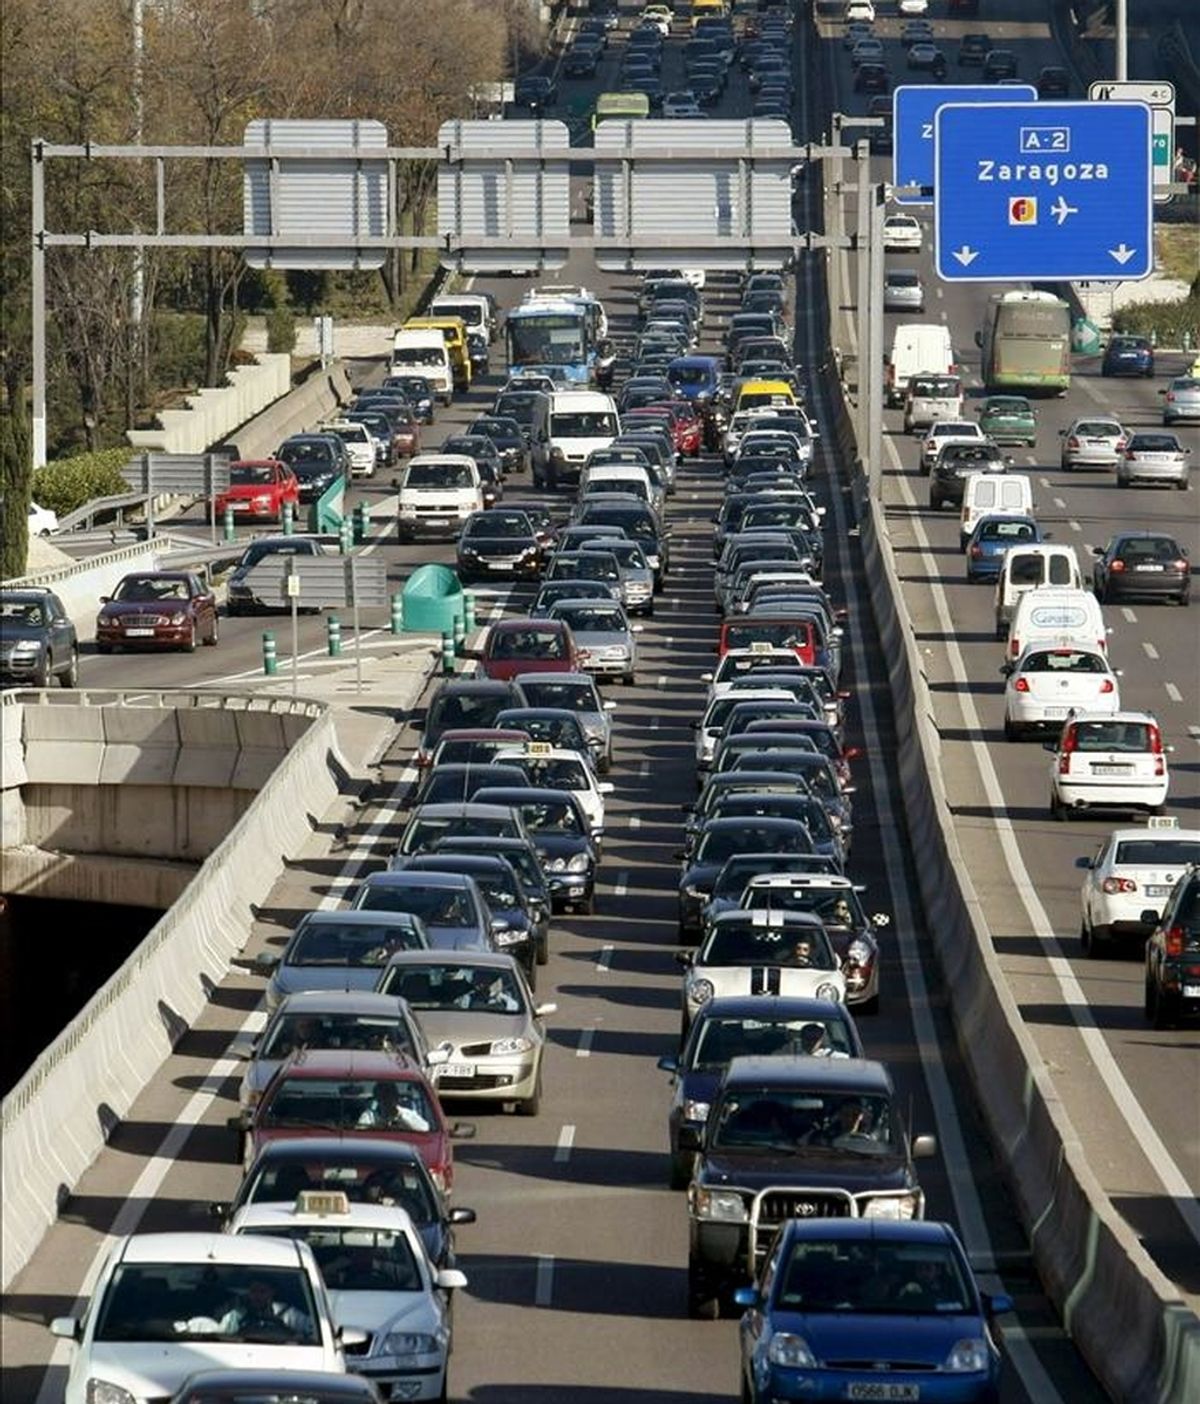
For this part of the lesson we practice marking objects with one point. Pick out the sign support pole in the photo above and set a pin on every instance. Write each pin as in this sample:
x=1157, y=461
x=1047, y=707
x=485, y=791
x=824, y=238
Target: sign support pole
x=867, y=354
x=874, y=397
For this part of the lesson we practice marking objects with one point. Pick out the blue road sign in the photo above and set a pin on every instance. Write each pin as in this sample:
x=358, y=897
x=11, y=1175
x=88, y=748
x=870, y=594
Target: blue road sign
x=1053, y=190
x=913, y=107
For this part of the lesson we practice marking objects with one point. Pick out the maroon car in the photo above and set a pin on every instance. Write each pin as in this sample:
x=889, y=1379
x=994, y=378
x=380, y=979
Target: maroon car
x=157, y=609
x=528, y=646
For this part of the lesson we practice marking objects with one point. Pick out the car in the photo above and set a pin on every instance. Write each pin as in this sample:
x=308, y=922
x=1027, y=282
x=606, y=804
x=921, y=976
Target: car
x=535, y=91
x=505, y=432
x=167, y=1304
x=395, y=422
x=792, y=1138
x=998, y=65
x=1131, y=871
x=462, y=703
x=1008, y=419
x=973, y=49
x=418, y=391
x=913, y=7
x=637, y=578
x=38, y=642
x=943, y=432
x=955, y=464
x=562, y=768
x=863, y=10
x=605, y=639
x=871, y=78
x=449, y=906
x=529, y=646
x=314, y=1386
x=902, y=290
x=718, y=840
x=1141, y=563
x=1128, y=355
x=867, y=50
x=1053, y=82
x=1115, y=761
x=732, y=1026
x=514, y=925
x=1092, y=441
x=337, y=950
x=560, y=830
x=992, y=536
x=41, y=520
x=901, y=233
x=241, y=597
x=926, y=57
x=158, y=609
x=316, y=461
x=916, y=31
x=558, y=726
x=1154, y=456
x=904, y=1293
x=480, y=1012
x=379, y=426
x=856, y=30
x=359, y=443
x=380, y=1282
x=581, y=58
x=681, y=104
x=1172, y=971
x=1181, y=399
x=1048, y=682
x=498, y=541
x=578, y=693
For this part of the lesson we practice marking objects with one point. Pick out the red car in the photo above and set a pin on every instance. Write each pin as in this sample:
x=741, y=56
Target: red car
x=748, y=629
x=687, y=428
x=258, y=487
x=355, y=1094
x=157, y=609
x=528, y=646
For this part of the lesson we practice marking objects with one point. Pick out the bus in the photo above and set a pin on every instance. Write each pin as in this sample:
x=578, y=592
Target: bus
x=623, y=105
x=1026, y=343
x=552, y=333
x=708, y=9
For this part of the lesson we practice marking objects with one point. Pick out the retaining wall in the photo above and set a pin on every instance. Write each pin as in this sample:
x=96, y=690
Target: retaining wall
x=301, y=409
x=212, y=412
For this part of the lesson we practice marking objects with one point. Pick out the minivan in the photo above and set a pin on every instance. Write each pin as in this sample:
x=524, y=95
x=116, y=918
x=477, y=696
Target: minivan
x=1027, y=568
x=989, y=493
x=565, y=430
x=1051, y=616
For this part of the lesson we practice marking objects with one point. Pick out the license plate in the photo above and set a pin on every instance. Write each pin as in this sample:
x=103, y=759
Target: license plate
x=1056, y=711
x=1156, y=890
x=240, y=506
x=1149, y=567
x=883, y=1390
x=1112, y=769
x=139, y=633
x=501, y=565
x=1191, y=991
x=458, y=1070
x=435, y=521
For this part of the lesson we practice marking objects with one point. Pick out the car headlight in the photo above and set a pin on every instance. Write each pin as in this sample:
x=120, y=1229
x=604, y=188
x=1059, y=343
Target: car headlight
x=179, y=617
x=508, y=1047
x=27, y=647
x=725, y=1206
x=615, y=651
x=694, y=1110
x=896, y=1206
x=967, y=1356
x=700, y=991
x=577, y=863
x=403, y=1343
x=105, y=1392
x=105, y=618
x=554, y=865
x=791, y=1351
x=828, y=990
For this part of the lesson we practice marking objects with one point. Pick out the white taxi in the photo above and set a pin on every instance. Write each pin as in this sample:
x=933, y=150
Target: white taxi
x=1133, y=872
x=1115, y=761
x=558, y=768
x=380, y=1282
x=1050, y=681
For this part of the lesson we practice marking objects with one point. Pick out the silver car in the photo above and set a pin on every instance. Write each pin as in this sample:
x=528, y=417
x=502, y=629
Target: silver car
x=339, y=951
x=603, y=635
x=637, y=578
x=1154, y=457
x=1091, y=442
x=577, y=692
x=902, y=290
x=1181, y=399
x=477, y=1011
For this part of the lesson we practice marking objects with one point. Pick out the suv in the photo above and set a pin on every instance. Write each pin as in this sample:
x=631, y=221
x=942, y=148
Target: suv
x=792, y=1138
x=1173, y=954
x=37, y=639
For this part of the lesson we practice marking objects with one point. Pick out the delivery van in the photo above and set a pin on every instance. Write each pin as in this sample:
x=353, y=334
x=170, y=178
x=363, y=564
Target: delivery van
x=472, y=309
x=1050, y=615
x=1026, y=568
x=986, y=494
x=425, y=353
x=576, y=422
x=918, y=348
x=454, y=333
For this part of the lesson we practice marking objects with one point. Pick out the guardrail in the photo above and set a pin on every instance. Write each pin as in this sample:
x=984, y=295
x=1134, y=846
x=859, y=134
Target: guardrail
x=86, y=515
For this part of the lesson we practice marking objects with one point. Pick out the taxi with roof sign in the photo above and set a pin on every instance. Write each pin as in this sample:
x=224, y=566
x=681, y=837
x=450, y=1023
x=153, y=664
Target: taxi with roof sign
x=560, y=768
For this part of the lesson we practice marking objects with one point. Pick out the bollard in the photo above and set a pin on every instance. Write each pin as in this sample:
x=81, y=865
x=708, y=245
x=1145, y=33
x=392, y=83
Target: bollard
x=362, y=520
x=469, y=611
x=447, y=653
x=289, y=518
x=345, y=536
x=270, y=661
x=397, y=613
x=333, y=635
x=1187, y=340
x=459, y=634
x=228, y=523
x=1153, y=338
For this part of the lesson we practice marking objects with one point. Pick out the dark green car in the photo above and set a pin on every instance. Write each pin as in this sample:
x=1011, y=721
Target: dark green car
x=1008, y=419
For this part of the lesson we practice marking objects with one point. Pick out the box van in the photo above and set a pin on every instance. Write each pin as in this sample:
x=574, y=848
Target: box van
x=985, y=493
x=930, y=398
x=1027, y=568
x=454, y=333
x=424, y=353
x=472, y=309
x=576, y=422
x=1051, y=616
x=917, y=348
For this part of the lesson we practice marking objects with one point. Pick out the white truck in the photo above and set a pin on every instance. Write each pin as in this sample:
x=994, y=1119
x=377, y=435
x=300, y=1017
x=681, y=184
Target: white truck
x=917, y=348
x=423, y=351
x=438, y=492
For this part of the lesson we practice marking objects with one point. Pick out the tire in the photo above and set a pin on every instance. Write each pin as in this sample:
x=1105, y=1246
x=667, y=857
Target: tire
x=935, y=503
x=533, y=1104
x=1012, y=732
x=1185, y=599
x=588, y=906
x=189, y=644
x=69, y=677
x=1099, y=938
x=1182, y=485
x=1085, y=937
x=1058, y=810
x=1122, y=482
x=628, y=679
x=104, y=648
x=214, y=634
x=543, y=951
x=1165, y=1015
x=680, y=1174
x=44, y=673
x=1149, y=1001
x=702, y=1303
x=999, y=633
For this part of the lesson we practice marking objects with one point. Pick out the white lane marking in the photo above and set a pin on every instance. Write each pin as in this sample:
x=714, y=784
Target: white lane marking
x=1045, y=482
x=544, y=1286
x=604, y=959
x=1150, y=651
x=585, y=1043
x=654, y=723
x=644, y=768
x=635, y=821
x=939, y=294
x=566, y=1139
x=622, y=886
x=1074, y=525
x=1173, y=692
x=1128, y=615
x=1194, y=732
x=661, y=681
x=1058, y=502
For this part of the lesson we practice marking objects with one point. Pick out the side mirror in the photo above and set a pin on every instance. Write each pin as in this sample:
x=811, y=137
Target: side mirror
x=352, y=1336
x=66, y=1327
x=462, y=1131
x=669, y=1063
x=638, y=629
x=104, y=599
x=543, y=1011
x=610, y=706
x=1084, y=863
x=1097, y=550
x=450, y=1278
x=1005, y=669
x=461, y=1216
x=605, y=787
x=923, y=1147
x=218, y=1209
x=706, y=677
x=266, y=961
x=997, y=1303
x=683, y=958
x=746, y=1297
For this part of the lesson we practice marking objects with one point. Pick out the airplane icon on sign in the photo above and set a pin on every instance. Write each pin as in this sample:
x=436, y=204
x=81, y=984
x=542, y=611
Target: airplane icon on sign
x=1060, y=210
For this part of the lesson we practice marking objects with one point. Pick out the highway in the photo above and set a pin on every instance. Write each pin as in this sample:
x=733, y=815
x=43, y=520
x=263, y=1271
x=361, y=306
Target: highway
x=576, y=1268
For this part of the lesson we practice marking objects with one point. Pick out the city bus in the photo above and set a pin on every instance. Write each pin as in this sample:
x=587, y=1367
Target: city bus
x=552, y=333
x=623, y=105
x=1026, y=343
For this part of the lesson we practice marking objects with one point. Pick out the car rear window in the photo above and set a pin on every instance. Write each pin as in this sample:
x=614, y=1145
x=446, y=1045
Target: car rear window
x=333, y=944
x=1157, y=853
x=1065, y=660
x=1149, y=548
x=1112, y=736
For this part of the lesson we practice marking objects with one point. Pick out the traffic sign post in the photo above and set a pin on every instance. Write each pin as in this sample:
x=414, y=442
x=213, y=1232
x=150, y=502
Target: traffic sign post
x=1159, y=97
x=1050, y=190
x=913, y=109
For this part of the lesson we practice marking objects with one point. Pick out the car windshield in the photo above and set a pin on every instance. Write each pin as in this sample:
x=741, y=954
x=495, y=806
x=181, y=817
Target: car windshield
x=425, y=832
x=786, y=1119
x=439, y=475
x=782, y=633
x=322, y=943
x=149, y=588
x=571, y=696
x=731, y=881
x=549, y=816
x=583, y=425
x=742, y=943
x=555, y=772
x=838, y=908
x=251, y=474
x=478, y=989
x=502, y=524
x=209, y=1301
x=337, y=1104
x=1098, y=428
x=1154, y=443
x=588, y=619
x=355, y=1259
x=1064, y=660
x=436, y=906
x=808, y=811
x=453, y=711
x=363, y=1032
x=719, y=1040
x=1007, y=531
x=874, y=1277
x=304, y=451
x=527, y=643
x=393, y=1181
x=556, y=731
x=716, y=845
x=24, y=613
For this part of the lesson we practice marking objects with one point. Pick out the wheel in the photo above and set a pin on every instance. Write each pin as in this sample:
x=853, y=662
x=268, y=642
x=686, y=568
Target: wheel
x=1122, y=482
x=681, y=1172
x=531, y=973
x=587, y=905
x=189, y=644
x=1098, y=938
x=543, y=951
x=1148, y=999
x=214, y=633
x=1104, y=594
x=1085, y=937
x=935, y=503
x=1185, y=599
x=1058, y=810
x=1165, y=1015
x=628, y=679
x=532, y=1104
x=69, y=677
x=1182, y=485
x=104, y=648
x=703, y=1303
x=42, y=674
x=999, y=632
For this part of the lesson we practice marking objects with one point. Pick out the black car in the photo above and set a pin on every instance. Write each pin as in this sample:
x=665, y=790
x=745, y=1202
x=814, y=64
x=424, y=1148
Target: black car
x=498, y=541
x=582, y=58
x=880, y=138
x=37, y=639
x=365, y=1171
x=560, y=832
x=973, y=49
x=526, y=864
x=739, y=1026
x=641, y=524
x=955, y=464
x=871, y=78
x=520, y=405
x=466, y=702
x=417, y=391
x=317, y=460
x=719, y=840
x=243, y=598
x=1053, y=82
x=791, y=1138
x=1173, y=954
x=1141, y=563
x=505, y=433
x=999, y=63
x=535, y=91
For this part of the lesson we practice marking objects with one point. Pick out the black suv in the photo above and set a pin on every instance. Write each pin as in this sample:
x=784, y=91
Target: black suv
x=1173, y=954
x=37, y=639
x=792, y=1138
x=955, y=464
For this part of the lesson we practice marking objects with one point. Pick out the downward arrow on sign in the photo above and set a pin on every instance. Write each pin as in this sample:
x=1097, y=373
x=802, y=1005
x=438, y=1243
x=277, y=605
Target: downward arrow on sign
x=967, y=255
x=1122, y=254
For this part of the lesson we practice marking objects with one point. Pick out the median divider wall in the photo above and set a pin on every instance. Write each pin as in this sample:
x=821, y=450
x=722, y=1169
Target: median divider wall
x=58, y=1117
x=1128, y=1320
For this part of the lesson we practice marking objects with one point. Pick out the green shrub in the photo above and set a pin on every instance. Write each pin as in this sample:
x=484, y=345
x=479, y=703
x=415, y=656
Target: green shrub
x=281, y=330
x=1168, y=321
x=70, y=482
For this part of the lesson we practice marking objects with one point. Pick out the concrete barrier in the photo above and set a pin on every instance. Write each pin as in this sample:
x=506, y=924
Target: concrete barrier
x=301, y=409
x=213, y=412
x=56, y=1120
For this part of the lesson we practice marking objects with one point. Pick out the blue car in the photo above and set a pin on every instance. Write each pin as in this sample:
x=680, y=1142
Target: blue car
x=993, y=535
x=695, y=378
x=839, y=1302
x=1128, y=355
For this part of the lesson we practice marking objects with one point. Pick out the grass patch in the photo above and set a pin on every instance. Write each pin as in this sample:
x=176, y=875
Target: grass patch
x=1177, y=250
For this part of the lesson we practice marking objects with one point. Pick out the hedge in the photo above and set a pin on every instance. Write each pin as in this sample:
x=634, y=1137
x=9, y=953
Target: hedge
x=70, y=482
x=1167, y=321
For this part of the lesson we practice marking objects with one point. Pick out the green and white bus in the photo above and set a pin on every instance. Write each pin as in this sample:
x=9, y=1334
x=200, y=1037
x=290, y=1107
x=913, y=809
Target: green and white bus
x=622, y=105
x=1026, y=343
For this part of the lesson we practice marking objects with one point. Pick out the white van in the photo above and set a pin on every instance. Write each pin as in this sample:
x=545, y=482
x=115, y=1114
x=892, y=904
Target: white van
x=917, y=348
x=577, y=421
x=931, y=398
x=438, y=492
x=1026, y=568
x=621, y=477
x=1051, y=615
x=988, y=493
x=417, y=351
x=474, y=310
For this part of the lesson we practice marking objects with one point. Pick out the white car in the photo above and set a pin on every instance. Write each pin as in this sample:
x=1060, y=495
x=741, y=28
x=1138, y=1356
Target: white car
x=762, y=952
x=380, y=1282
x=169, y=1304
x=860, y=10
x=947, y=431
x=913, y=7
x=42, y=521
x=711, y=726
x=901, y=233
x=360, y=445
x=1133, y=872
x=867, y=50
x=557, y=768
x=1050, y=681
x=1115, y=761
x=737, y=668
x=682, y=105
